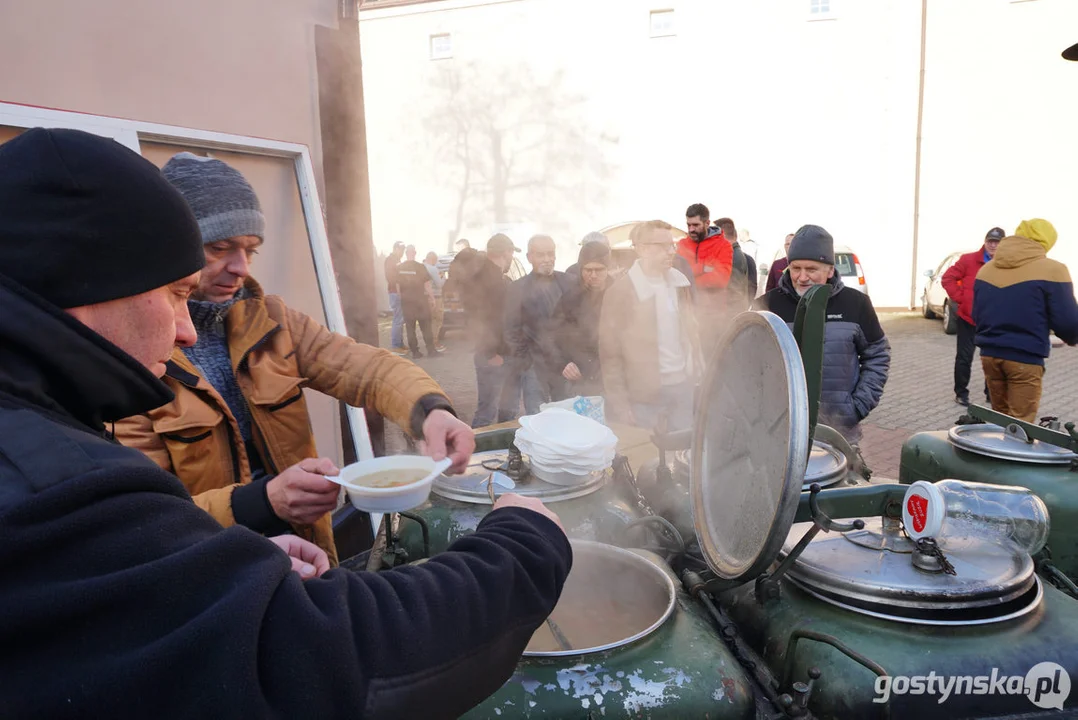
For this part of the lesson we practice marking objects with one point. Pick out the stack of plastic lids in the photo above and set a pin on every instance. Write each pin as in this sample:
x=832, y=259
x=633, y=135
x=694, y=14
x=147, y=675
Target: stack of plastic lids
x=565, y=448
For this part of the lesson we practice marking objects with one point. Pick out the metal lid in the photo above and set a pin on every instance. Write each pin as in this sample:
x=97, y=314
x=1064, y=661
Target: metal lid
x=871, y=572
x=750, y=446
x=471, y=486
x=826, y=465
x=1008, y=443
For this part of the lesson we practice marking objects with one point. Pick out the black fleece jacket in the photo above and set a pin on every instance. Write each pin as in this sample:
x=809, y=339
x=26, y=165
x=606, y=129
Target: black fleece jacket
x=121, y=599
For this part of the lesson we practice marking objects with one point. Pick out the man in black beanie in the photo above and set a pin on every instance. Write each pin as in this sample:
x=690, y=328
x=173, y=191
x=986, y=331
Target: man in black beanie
x=858, y=355
x=575, y=324
x=120, y=597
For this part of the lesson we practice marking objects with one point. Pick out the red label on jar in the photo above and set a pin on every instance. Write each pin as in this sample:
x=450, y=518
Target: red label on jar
x=917, y=506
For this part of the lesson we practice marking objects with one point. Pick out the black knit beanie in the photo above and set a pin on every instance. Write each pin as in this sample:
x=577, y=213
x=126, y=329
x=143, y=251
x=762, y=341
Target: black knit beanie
x=812, y=242
x=594, y=252
x=85, y=220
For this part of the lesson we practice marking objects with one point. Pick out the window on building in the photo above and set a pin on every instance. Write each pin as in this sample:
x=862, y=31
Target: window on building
x=441, y=46
x=822, y=9
x=662, y=23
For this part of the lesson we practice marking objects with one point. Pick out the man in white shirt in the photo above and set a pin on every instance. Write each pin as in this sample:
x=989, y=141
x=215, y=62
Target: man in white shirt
x=649, y=347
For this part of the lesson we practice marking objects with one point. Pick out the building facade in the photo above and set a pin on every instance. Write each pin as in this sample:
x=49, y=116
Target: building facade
x=566, y=116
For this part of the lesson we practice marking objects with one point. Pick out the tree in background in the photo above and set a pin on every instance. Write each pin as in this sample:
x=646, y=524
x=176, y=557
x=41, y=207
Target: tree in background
x=517, y=148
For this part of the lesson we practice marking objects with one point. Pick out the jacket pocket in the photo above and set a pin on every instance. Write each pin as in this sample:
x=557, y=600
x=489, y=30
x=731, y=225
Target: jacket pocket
x=198, y=446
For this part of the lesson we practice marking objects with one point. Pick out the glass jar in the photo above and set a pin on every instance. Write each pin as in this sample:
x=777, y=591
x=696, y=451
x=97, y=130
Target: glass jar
x=953, y=510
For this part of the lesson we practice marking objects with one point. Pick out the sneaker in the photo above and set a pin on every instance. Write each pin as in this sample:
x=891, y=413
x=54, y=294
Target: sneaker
x=964, y=402
x=439, y=348
x=399, y=351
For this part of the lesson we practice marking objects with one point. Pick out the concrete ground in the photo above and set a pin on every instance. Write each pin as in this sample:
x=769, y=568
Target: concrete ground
x=919, y=394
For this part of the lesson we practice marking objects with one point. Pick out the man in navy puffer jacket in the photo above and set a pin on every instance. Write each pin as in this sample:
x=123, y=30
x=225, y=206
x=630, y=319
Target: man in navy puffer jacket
x=857, y=355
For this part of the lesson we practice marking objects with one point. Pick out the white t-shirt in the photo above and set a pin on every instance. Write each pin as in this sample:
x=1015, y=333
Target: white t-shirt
x=672, y=361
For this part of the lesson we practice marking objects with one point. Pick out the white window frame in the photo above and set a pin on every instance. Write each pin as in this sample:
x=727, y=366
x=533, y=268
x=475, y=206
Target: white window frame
x=831, y=13
x=671, y=13
x=441, y=55
x=132, y=132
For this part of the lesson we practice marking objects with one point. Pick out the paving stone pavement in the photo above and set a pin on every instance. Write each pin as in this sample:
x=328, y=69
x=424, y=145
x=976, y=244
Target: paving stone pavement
x=919, y=394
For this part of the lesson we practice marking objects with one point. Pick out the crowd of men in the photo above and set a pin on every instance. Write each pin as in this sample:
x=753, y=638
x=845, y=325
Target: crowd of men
x=1009, y=298
x=638, y=336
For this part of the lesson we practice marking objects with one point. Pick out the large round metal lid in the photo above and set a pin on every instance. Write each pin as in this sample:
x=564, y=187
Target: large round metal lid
x=750, y=446
x=1007, y=443
x=471, y=485
x=871, y=572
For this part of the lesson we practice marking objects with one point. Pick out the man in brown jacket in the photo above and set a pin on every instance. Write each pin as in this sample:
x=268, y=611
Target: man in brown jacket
x=649, y=349
x=237, y=433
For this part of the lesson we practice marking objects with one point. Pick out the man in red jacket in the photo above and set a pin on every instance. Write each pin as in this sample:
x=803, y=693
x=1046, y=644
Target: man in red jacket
x=711, y=257
x=958, y=282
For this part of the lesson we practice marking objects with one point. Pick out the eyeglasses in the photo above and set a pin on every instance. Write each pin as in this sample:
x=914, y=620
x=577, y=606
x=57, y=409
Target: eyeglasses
x=665, y=247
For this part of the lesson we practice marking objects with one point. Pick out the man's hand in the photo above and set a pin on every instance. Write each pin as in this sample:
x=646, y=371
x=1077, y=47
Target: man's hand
x=571, y=372
x=308, y=559
x=301, y=494
x=496, y=361
x=528, y=503
x=446, y=436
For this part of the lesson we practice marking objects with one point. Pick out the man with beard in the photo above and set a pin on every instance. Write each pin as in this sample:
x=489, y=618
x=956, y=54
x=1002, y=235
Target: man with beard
x=534, y=369
x=711, y=258
x=857, y=355
x=121, y=598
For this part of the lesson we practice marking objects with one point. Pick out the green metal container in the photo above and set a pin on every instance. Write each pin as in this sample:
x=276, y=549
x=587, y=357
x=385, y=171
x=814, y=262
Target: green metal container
x=931, y=456
x=602, y=513
x=681, y=670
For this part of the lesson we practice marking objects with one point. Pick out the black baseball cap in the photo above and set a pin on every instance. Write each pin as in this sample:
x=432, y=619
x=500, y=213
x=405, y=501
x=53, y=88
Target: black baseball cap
x=1071, y=53
x=501, y=243
x=995, y=234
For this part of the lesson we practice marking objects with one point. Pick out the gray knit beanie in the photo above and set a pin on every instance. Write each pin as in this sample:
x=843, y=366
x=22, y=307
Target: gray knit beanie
x=812, y=242
x=223, y=202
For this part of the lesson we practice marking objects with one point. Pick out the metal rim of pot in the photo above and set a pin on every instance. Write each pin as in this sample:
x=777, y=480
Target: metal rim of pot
x=869, y=571
x=640, y=564
x=998, y=442
x=471, y=486
x=750, y=446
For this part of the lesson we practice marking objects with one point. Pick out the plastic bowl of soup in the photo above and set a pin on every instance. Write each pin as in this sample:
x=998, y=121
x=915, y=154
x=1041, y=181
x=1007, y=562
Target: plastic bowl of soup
x=390, y=484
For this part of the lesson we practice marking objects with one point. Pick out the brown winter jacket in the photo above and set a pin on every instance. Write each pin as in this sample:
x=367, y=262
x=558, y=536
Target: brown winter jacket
x=276, y=352
x=629, y=343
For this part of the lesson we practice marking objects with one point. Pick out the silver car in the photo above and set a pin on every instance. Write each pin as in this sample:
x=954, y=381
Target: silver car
x=935, y=302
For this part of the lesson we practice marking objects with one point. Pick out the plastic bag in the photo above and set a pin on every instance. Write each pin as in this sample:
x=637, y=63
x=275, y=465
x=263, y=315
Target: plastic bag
x=589, y=407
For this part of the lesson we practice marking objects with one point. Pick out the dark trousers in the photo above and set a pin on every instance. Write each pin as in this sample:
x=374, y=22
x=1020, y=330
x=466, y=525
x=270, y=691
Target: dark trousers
x=963, y=359
x=412, y=316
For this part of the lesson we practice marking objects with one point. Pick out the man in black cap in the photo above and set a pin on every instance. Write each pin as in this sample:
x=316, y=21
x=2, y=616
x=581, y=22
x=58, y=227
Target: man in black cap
x=958, y=282
x=857, y=356
x=120, y=597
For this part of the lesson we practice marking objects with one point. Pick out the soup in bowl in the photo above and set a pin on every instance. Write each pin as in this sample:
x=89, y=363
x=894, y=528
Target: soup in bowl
x=390, y=484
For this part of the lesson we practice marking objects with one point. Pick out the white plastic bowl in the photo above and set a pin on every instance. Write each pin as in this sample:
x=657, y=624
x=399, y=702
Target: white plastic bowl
x=389, y=499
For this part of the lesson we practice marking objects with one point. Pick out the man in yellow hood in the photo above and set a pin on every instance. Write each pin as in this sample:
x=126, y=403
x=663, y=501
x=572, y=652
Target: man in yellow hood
x=1019, y=297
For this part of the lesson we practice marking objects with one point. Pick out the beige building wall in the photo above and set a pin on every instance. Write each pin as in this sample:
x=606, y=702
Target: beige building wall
x=761, y=110
x=241, y=67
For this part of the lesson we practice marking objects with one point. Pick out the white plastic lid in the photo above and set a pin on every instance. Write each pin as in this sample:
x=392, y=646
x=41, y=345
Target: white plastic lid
x=923, y=510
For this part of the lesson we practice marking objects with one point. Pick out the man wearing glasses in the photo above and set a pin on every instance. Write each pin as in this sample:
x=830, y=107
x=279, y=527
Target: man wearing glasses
x=649, y=350
x=576, y=323
x=958, y=282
